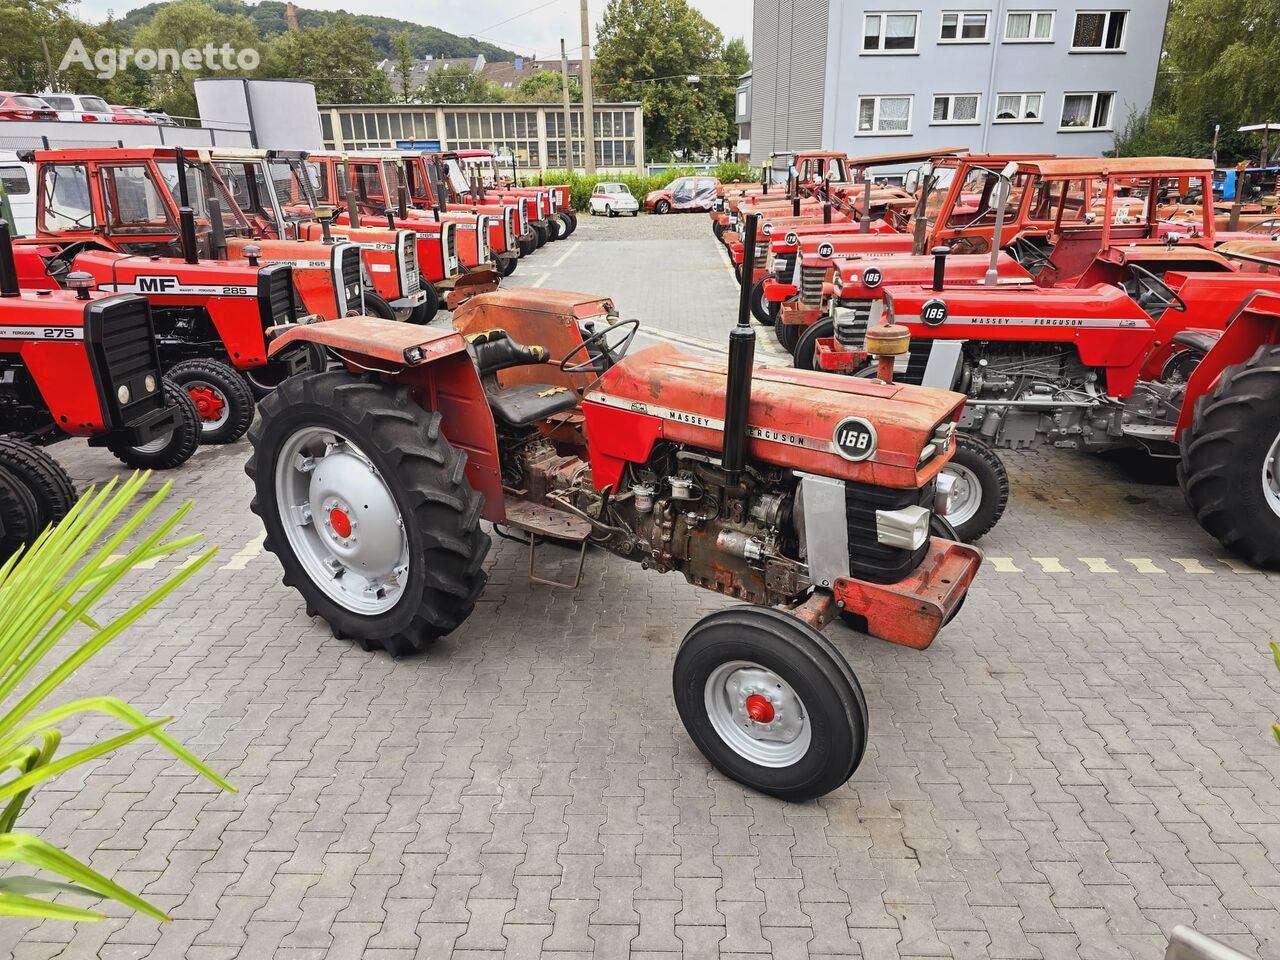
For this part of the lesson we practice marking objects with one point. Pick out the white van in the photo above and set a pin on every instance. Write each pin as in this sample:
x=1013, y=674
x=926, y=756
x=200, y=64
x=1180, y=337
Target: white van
x=19, y=181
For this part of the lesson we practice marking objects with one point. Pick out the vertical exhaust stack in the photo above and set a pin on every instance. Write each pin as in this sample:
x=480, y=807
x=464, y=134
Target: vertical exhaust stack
x=402, y=202
x=795, y=205
x=186, y=216
x=391, y=218
x=8, y=269
x=742, y=355
x=826, y=211
x=864, y=222
x=939, y=266
x=1005, y=186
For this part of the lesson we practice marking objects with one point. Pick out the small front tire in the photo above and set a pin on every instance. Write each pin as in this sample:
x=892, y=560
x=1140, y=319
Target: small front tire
x=19, y=515
x=221, y=395
x=763, y=310
x=174, y=448
x=805, y=351
x=770, y=702
x=982, y=488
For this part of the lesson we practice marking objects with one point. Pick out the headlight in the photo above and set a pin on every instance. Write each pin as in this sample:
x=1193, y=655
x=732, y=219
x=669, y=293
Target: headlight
x=122, y=394
x=150, y=382
x=906, y=529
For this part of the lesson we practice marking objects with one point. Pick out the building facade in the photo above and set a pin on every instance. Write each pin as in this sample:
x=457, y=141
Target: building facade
x=1004, y=76
x=742, y=117
x=534, y=134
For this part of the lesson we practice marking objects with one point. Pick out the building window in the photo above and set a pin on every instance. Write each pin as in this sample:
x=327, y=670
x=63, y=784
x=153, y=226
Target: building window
x=884, y=115
x=1029, y=26
x=964, y=26
x=1099, y=30
x=742, y=103
x=1019, y=107
x=890, y=32
x=955, y=108
x=1087, y=111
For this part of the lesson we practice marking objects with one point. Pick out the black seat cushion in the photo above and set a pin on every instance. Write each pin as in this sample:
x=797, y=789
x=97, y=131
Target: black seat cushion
x=521, y=405
x=495, y=350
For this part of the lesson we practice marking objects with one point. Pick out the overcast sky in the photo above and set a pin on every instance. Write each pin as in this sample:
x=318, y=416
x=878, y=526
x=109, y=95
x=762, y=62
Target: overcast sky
x=526, y=26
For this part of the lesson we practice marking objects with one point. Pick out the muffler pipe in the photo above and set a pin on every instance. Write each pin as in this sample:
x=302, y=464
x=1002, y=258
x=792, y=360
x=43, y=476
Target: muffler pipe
x=864, y=223
x=187, y=233
x=826, y=212
x=8, y=269
x=795, y=206
x=391, y=218
x=742, y=353
x=939, y=266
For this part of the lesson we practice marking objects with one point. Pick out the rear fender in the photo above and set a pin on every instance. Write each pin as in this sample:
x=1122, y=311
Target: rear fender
x=1255, y=324
x=437, y=368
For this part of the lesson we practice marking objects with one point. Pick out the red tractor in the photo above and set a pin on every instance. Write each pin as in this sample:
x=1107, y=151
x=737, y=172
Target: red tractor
x=77, y=364
x=806, y=495
x=482, y=167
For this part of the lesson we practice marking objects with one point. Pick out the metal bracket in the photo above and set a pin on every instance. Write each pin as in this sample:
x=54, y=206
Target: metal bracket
x=534, y=578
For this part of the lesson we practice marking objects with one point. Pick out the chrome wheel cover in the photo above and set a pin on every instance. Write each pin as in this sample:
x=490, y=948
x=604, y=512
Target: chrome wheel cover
x=780, y=742
x=1271, y=476
x=341, y=520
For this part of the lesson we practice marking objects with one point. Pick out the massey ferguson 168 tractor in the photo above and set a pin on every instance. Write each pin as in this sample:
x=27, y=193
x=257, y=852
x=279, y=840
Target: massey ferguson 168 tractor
x=807, y=495
x=77, y=364
x=1156, y=346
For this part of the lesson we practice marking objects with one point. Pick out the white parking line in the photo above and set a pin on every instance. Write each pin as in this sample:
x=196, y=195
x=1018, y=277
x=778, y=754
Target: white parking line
x=542, y=278
x=573, y=247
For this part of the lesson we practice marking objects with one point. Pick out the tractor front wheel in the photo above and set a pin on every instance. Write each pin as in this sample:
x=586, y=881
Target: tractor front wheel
x=505, y=263
x=762, y=309
x=570, y=219
x=174, y=448
x=567, y=222
x=368, y=508
x=426, y=311
x=770, y=702
x=528, y=243
x=221, y=395
x=982, y=488
x=375, y=305
x=19, y=515
x=787, y=334
x=1230, y=459
x=805, y=351
x=540, y=232
x=44, y=476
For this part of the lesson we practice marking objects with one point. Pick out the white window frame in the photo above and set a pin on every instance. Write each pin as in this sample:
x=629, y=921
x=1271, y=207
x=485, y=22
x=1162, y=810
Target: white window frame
x=1109, y=12
x=883, y=16
x=875, y=117
x=1035, y=14
x=1111, y=111
x=960, y=15
x=977, y=111
x=1022, y=108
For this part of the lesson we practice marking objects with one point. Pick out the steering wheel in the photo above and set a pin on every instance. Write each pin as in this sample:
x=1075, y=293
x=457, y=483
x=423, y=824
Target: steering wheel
x=1027, y=253
x=599, y=341
x=59, y=265
x=1152, y=291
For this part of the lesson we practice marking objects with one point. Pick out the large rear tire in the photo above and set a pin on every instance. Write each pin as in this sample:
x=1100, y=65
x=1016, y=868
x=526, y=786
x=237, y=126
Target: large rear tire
x=1230, y=470
x=19, y=515
x=49, y=483
x=762, y=309
x=368, y=508
x=982, y=488
x=174, y=448
x=770, y=702
x=805, y=352
x=221, y=395
x=262, y=380
x=787, y=334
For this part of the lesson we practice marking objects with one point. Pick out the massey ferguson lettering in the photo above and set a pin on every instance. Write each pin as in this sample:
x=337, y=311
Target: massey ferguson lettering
x=162, y=285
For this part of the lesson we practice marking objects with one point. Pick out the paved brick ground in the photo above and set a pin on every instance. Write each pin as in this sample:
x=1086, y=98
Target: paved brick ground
x=1080, y=762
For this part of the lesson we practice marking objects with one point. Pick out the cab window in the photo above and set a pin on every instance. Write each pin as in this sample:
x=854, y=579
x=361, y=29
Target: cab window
x=976, y=206
x=319, y=182
x=132, y=202
x=367, y=181
x=65, y=198
x=15, y=181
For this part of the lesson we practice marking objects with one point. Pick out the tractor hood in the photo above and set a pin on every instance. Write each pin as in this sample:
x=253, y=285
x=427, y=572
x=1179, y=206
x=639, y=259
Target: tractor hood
x=795, y=418
x=860, y=280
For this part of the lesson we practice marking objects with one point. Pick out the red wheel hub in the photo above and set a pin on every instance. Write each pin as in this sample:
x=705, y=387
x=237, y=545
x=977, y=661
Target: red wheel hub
x=759, y=709
x=341, y=524
x=209, y=403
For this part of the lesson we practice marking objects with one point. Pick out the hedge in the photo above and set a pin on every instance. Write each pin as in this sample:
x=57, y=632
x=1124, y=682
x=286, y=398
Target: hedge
x=581, y=186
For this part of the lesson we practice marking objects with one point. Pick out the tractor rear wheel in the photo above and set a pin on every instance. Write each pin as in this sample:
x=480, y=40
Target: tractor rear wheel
x=770, y=702
x=540, y=233
x=426, y=311
x=174, y=448
x=221, y=395
x=44, y=476
x=368, y=508
x=528, y=243
x=982, y=488
x=1230, y=469
x=262, y=380
x=787, y=334
x=717, y=228
x=570, y=219
x=19, y=515
x=762, y=309
x=805, y=352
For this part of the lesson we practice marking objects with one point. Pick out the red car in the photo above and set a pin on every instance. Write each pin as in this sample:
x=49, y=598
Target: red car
x=23, y=106
x=121, y=114
x=686, y=193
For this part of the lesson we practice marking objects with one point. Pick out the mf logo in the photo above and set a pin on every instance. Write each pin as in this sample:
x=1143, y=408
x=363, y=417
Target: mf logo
x=157, y=284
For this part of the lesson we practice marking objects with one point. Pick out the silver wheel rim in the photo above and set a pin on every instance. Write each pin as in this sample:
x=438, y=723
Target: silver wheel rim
x=729, y=692
x=341, y=520
x=1271, y=476
x=154, y=446
x=967, y=496
x=208, y=426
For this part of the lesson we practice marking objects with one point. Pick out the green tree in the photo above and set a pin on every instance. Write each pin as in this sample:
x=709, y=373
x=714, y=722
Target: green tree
x=338, y=58
x=459, y=84
x=192, y=24
x=404, y=66
x=23, y=24
x=646, y=50
x=545, y=87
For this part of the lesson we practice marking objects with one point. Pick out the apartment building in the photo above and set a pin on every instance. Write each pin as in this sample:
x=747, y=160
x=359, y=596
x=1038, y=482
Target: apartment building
x=880, y=76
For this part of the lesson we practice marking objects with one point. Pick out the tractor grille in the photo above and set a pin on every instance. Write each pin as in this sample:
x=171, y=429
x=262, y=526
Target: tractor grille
x=483, y=250
x=868, y=558
x=410, y=282
x=509, y=227
x=276, y=303
x=782, y=264
x=352, y=277
x=762, y=254
x=811, y=281
x=449, y=249
x=123, y=352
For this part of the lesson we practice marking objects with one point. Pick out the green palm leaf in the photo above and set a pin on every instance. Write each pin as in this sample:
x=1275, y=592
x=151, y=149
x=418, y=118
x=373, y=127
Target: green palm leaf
x=48, y=630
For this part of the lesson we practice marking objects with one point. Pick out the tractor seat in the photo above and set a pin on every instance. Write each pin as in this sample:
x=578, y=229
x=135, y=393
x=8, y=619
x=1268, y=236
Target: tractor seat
x=521, y=404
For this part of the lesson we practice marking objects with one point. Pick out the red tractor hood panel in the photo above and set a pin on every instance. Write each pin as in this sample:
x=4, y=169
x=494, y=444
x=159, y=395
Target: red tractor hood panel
x=793, y=417
x=962, y=270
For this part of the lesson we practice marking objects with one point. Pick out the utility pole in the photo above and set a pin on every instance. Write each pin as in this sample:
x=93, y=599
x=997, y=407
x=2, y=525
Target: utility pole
x=568, y=108
x=588, y=101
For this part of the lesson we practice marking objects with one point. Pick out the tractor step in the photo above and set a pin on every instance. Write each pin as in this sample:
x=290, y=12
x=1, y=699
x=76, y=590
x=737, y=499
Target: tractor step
x=1149, y=432
x=539, y=521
